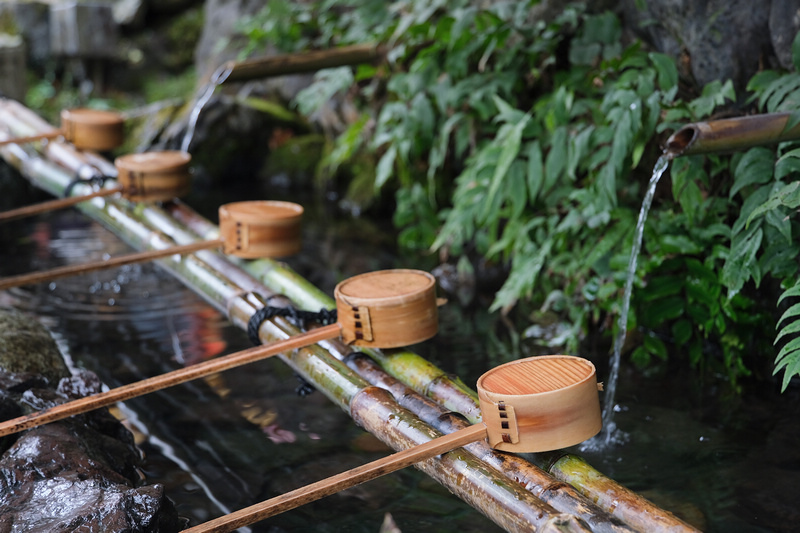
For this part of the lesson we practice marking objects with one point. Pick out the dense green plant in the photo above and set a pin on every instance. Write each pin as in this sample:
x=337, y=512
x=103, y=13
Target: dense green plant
x=529, y=143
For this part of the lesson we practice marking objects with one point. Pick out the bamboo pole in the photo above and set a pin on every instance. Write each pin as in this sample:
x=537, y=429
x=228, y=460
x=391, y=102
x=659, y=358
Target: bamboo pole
x=639, y=512
x=329, y=375
x=731, y=135
x=300, y=62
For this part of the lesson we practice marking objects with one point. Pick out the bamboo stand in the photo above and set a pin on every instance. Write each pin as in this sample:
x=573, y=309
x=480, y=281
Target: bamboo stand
x=521, y=392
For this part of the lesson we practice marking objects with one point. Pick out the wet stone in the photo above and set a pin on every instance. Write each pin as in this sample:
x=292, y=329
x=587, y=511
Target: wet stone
x=27, y=347
x=78, y=474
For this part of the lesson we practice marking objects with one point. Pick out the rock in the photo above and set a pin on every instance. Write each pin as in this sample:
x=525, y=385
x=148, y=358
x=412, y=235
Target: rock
x=722, y=39
x=81, y=473
x=784, y=21
x=27, y=347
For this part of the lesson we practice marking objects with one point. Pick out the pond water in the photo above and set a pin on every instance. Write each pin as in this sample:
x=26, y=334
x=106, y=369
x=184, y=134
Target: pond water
x=236, y=438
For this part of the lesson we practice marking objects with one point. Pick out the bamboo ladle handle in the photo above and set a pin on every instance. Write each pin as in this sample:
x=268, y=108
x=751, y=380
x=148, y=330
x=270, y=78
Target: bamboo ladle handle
x=30, y=138
x=176, y=377
x=71, y=270
x=345, y=480
x=52, y=205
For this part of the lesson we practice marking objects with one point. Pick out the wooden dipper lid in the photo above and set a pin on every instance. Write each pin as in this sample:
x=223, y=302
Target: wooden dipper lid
x=387, y=308
x=262, y=228
x=92, y=129
x=540, y=403
x=154, y=176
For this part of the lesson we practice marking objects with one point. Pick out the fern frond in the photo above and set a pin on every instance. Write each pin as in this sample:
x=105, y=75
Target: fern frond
x=788, y=357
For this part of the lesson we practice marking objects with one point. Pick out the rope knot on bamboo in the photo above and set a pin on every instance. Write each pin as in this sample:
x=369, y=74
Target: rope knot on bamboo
x=97, y=180
x=323, y=317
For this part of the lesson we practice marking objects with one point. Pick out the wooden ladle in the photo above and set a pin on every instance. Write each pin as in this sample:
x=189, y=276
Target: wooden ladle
x=401, y=300
x=530, y=405
x=261, y=228
x=145, y=177
x=86, y=129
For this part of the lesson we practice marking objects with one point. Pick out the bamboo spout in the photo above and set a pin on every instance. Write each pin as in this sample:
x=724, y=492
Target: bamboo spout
x=731, y=135
x=296, y=63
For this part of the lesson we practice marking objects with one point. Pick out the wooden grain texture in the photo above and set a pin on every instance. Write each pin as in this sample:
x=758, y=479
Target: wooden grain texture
x=540, y=403
x=387, y=308
x=264, y=228
x=154, y=176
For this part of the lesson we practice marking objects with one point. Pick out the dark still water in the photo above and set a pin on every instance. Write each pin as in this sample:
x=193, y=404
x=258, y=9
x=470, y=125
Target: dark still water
x=239, y=437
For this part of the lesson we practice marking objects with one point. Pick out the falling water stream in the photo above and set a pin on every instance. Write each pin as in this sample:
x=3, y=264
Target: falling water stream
x=217, y=79
x=609, y=433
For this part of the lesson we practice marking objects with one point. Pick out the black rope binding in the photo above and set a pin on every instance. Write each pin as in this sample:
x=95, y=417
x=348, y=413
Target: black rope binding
x=98, y=180
x=298, y=316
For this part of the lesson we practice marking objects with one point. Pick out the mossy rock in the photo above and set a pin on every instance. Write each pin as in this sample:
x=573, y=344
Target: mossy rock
x=27, y=346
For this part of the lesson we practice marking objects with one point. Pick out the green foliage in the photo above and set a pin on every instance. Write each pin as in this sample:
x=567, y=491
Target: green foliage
x=529, y=143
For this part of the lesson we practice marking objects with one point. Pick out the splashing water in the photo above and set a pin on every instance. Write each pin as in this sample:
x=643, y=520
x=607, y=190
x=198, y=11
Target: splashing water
x=217, y=79
x=609, y=433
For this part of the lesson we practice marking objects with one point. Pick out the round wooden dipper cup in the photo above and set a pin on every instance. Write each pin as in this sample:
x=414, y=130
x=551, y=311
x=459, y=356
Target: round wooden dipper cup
x=145, y=177
x=540, y=403
x=390, y=298
x=261, y=228
x=554, y=400
x=86, y=129
x=247, y=229
x=154, y=176
x=387, y=308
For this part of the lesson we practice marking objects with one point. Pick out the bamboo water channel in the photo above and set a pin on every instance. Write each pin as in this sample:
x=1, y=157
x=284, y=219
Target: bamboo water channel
x=512, y=492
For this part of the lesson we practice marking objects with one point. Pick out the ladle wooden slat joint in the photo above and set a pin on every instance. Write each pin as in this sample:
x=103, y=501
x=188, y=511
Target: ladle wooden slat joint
x=521, y=383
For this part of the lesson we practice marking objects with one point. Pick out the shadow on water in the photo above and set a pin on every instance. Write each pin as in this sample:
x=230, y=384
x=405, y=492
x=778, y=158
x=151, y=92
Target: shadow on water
x=242, y=436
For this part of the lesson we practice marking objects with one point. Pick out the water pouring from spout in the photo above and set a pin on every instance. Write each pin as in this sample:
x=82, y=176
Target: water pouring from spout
x=609, y=433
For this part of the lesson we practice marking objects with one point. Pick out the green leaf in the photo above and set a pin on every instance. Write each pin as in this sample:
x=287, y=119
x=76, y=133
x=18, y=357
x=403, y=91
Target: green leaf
x=741, y=264
x=556, y=158
x=662, y=286
x=535, y=170
x=655, y=346
x=755, y=167
x=788, y=196
x=385, y=167
x=666, y=69
x=510, y=139
x=663, y=310
x=794, y=290
x=524, y=272
x=788, y=163
x=682, y=332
